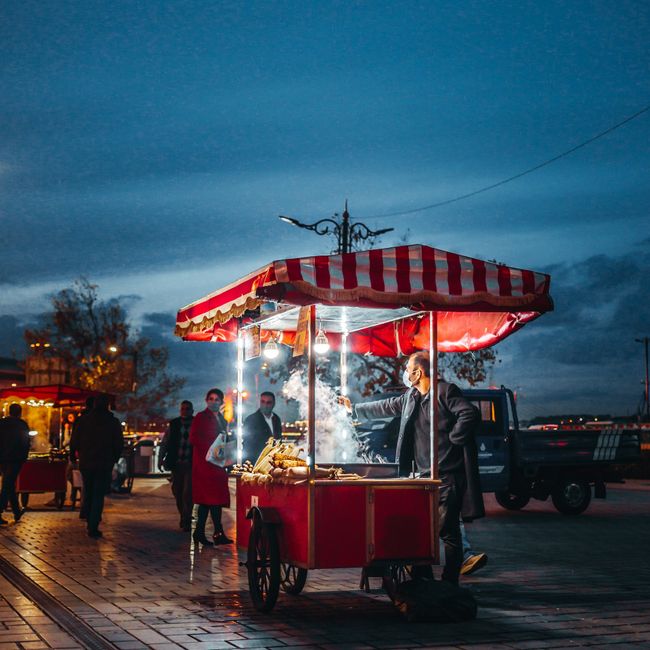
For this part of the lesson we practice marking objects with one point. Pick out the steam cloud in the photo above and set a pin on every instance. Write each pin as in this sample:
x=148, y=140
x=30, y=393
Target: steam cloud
x=335, y=437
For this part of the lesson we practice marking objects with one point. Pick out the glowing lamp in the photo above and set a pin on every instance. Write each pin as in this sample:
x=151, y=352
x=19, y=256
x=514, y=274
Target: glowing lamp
x=321, y=344
x=271, y=349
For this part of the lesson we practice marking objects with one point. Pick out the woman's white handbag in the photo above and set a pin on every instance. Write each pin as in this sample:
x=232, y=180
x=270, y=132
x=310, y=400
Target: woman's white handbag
x=221, y=452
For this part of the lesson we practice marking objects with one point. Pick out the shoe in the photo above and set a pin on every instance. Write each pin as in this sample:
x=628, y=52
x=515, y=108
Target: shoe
x=18, y=516
x=473, y=563
x=201, y=539
x=95, y=534
x=221, y=539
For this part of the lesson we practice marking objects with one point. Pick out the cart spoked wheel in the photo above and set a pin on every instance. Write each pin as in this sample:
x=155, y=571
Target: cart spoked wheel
x=263, y=565
x=59, y=500
x=397, y=574
x=292, y=578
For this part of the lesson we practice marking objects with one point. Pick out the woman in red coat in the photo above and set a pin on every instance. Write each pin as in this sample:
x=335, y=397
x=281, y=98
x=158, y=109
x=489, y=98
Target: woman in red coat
x=209, y=482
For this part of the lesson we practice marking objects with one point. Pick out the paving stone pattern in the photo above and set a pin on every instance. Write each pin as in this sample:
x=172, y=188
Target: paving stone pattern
x=551, y=582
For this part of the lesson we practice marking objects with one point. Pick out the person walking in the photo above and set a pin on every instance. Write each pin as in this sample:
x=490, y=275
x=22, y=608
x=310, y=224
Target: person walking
x=14, y=449
x=74, y=460
x=457, y=455
x=98, y=442
x=176, y=457
x=260, y=426
x=209, y=482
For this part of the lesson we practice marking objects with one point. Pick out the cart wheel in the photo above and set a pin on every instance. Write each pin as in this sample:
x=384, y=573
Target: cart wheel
x=59, y=500
x=397, y=574
x=292, y=578
x=263, y=566
x=24, y=499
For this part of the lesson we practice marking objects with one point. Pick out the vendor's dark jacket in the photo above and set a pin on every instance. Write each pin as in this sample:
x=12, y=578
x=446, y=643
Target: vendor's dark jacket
x=257, y=432
x=172, y=442
x=97, y=441
x=14, y=440
x=457, y=423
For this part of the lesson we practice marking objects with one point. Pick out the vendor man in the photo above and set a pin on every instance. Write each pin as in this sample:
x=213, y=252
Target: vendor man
x=260, y=426
x=457, y=456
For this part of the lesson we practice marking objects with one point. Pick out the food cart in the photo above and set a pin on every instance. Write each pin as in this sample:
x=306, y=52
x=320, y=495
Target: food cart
x=387, y=302
x=43, y=409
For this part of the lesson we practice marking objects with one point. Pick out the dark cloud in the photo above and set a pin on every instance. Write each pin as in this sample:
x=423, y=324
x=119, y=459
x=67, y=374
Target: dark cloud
x=584, y=355
x=12, y=342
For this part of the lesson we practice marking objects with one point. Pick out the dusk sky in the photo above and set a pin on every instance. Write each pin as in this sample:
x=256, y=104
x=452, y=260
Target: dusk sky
x=150, y=147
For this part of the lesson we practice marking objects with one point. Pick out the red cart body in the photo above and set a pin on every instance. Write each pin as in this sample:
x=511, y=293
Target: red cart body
x=339, y=524
x=39, y=475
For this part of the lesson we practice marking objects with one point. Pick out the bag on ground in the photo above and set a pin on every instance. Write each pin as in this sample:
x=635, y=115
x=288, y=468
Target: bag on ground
x=435, y=601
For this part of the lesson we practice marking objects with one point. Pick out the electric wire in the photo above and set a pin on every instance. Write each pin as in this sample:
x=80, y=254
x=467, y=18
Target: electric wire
x=516, y=176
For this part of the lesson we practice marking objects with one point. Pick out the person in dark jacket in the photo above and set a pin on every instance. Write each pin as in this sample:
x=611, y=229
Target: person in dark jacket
x=176, y=457
x=260, y=426
x=74, y=461
x=14, y=449
x=457, y=455
x=98, y=442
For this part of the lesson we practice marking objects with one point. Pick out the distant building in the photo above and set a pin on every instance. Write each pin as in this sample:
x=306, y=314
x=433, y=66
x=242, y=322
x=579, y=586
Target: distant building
x=41, y=370
x=12, y=372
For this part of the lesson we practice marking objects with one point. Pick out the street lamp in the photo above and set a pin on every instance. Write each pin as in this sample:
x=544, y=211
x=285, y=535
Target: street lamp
x=347, y=234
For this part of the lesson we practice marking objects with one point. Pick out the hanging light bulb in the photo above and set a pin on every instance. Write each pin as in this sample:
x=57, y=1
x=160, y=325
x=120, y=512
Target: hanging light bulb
x=271, y=349
x=321, y=344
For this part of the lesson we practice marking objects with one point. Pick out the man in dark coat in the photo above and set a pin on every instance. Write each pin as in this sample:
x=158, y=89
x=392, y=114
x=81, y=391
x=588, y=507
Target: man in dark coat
x=260, y=426
x=98, y=442
x=176, y=457
x=457, y=455
x=14, y=448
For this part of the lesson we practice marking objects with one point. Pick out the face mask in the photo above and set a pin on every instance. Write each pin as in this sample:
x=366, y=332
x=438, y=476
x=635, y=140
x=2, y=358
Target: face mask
x=406, y=380
x=266, y=410
x=214, y=406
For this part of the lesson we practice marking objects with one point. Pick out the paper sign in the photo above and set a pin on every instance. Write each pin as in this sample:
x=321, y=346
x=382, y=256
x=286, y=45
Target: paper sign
x=252, y=343
x=302, y=332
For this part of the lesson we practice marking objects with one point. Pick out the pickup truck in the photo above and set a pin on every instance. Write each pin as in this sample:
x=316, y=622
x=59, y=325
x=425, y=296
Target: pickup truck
x=522, y=464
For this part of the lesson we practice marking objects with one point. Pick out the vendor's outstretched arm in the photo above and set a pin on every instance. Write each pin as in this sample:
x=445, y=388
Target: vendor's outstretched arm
x=380, y=408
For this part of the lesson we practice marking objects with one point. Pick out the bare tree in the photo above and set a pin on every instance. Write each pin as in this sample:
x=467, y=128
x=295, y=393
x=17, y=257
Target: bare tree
x=95, y=341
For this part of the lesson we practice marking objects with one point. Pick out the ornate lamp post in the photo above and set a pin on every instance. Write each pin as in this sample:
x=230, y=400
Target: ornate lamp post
x=347, y=234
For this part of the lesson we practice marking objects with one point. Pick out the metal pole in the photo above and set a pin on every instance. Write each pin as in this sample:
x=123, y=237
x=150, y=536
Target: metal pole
x=311, y=380
x=433, y=391
x=647, y=396
x=344, y=351
x=646, y=392
x=240, y=399
x=345, y=245
x=134, y=383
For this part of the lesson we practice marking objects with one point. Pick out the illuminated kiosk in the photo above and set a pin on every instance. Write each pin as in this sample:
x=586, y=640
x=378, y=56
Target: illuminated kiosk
x=384, y=302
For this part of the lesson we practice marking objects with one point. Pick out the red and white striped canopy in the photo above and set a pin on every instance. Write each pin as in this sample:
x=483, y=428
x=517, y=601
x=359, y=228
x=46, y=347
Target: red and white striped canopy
x=493, y=299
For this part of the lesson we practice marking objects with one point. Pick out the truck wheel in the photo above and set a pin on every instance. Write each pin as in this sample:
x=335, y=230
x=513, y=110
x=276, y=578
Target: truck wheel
x=571, y=496
x=511, y=501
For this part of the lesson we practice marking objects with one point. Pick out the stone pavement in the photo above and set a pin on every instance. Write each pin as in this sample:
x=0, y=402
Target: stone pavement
x=551, y=581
